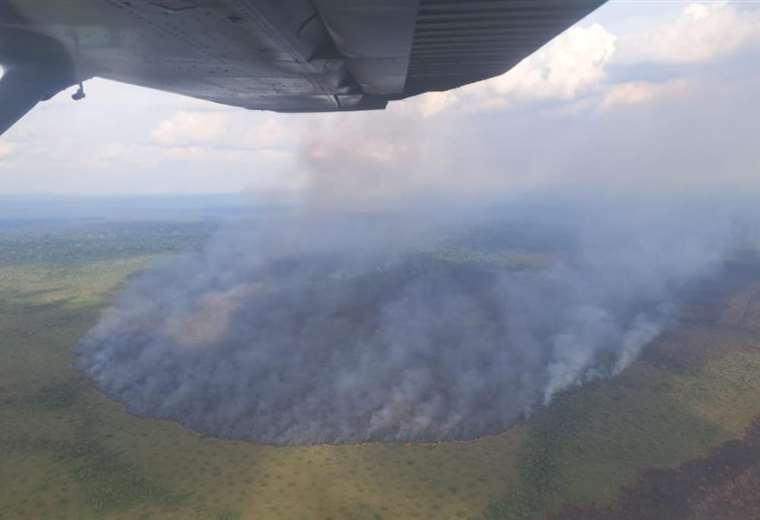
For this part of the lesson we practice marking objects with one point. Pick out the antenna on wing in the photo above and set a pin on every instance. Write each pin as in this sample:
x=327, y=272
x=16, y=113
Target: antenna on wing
x=79, y=94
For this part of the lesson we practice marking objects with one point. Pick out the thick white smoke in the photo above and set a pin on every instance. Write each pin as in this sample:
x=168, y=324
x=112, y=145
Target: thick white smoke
x=415, y=295
x=354, y=327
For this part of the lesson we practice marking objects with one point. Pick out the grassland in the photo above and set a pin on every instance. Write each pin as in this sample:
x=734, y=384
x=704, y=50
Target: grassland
x=69, y=452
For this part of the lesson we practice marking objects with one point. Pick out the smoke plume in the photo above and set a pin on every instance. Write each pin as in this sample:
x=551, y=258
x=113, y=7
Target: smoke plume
x=354, y=327
x=424, y=288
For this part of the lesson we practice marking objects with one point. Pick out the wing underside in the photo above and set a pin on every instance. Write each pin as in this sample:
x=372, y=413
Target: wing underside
x=282, y=55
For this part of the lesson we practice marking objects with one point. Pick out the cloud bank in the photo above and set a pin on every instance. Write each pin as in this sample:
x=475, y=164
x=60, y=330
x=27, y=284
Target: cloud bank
x=701, y=32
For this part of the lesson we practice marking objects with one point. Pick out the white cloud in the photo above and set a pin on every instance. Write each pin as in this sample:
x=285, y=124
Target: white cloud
x=570, y=65
x=224, y=129
x=573, y=67
x=6, y=149
x=639, y=92
x=426, y=105
x=573, y=62
x=701, y=32
x=106, y=155
x=190, y=127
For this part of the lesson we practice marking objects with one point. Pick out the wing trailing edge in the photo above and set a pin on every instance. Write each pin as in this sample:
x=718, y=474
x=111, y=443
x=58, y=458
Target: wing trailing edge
x=280, y=55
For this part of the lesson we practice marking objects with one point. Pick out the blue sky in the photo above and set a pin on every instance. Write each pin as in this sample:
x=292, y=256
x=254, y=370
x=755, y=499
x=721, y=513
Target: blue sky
x=640, y=95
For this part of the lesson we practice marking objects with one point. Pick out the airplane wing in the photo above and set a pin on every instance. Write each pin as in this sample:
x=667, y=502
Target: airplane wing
x=281, y=55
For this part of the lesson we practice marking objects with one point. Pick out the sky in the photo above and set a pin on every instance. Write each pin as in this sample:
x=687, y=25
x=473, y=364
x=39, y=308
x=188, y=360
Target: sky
x=644, y=95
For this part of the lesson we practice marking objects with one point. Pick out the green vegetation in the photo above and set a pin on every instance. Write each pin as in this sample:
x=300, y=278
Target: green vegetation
x=593, y=440
x=69, y=452
x=63, y=244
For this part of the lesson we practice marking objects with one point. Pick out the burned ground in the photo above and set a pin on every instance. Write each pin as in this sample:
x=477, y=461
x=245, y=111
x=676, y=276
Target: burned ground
x=720, y=486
